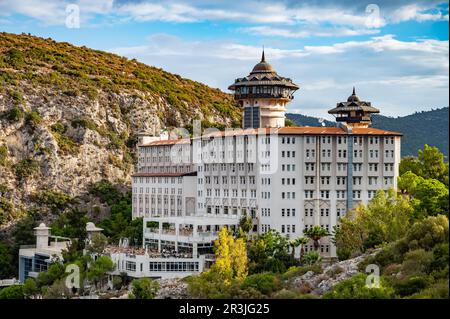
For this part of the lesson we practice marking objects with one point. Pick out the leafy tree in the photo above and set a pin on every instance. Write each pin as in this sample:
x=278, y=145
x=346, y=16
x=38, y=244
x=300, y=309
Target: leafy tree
x=98, y=244
x=432, y=164
x=228, y=270
x=144, y=288
x=432, y=198
x=430, y=232
x=58, y=290
x=300, y=241
x=417, y=262
x=56, y=201
x=272, y=264
x=12, y=292
x=266, y=283
x=30, y=288
x=6, y=261
x=428, y=164
x=54, y=272
x=408, y=181
x=409, y=164
x=71, y=224
x=355, y=288
x=231, y=257
x=72, y=253
x=134, y=231
x=98, y=269
x=416, y=265
x=386, y=218
x=269, y=252
x=106, y=191
x=239, y=259
x=208, y=284
x=246, y=223
x=315, y=234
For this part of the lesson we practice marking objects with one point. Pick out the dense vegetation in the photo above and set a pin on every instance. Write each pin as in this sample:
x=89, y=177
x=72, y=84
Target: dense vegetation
x=70, y=222
x=78, y=71
x=427, y=127
x=410, y=227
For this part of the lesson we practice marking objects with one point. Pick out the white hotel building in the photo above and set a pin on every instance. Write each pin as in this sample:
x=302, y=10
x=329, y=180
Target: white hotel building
x=285, y=178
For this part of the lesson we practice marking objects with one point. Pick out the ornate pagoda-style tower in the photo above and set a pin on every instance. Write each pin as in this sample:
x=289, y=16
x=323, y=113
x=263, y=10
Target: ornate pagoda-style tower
x=263, y=96
x=354, y=112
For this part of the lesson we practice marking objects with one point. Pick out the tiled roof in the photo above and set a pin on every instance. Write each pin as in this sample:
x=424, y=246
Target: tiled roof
x=289, y=130
x=168, y=142
x=311, y=130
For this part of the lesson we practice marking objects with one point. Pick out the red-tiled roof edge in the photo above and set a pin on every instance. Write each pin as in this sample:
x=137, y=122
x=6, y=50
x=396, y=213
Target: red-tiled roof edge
x=289, y=130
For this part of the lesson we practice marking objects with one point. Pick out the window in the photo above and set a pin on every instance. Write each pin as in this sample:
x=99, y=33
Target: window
x=356, y=194
x=325, y=194
x=130, y=266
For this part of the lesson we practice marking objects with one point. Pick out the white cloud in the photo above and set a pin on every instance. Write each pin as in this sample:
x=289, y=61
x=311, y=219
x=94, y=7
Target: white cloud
x=300, y=32
x=416, y=12
x=398, y=76
x=53, y=12
x=306, y=13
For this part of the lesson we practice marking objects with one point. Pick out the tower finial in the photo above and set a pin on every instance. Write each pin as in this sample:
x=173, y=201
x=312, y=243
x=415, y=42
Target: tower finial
x=263, y=58
x=354, y=93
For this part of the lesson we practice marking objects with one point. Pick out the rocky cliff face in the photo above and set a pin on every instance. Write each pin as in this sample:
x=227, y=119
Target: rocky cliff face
x=68, y=116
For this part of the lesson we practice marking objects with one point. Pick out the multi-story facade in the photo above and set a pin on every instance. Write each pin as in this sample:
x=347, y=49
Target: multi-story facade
x=286, y=178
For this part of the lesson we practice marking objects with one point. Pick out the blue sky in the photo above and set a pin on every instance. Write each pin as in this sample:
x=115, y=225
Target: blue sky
x=394, y=52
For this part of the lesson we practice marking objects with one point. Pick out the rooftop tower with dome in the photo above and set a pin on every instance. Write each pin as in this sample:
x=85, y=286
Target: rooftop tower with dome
x=354, y=112
x=263, y=96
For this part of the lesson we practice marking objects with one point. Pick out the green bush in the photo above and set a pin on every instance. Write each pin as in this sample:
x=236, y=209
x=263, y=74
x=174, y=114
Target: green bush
x=6, y=210
x=15, y=58
x=14, y=115
x=3, y=155
x=431, y=231
x=273, y=265
x=106, y=191
x=12, y=292
x=65, y=143
x=33, y=119
x=417, y=262
x=52, y=199
x=6, y=259
x=311, y=257
x=144, y=288
x=438, y=290
x=440, y=257
x=296, y=271
x=265, y=283
x=85, y=123
x=355, y=288
x=25, y=169
x=410, y=285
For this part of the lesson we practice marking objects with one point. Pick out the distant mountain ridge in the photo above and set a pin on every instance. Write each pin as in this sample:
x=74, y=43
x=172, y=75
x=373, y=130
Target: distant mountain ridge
x=426, y=127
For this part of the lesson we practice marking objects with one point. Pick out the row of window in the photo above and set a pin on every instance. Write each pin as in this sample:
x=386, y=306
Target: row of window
x=357, y=167
x=158, y=190
x=287, y=229
x=224, y=179
x=159, y=180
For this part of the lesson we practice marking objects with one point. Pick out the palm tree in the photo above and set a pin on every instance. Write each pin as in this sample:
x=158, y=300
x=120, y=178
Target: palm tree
x=300, y=241
x=315, y=234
